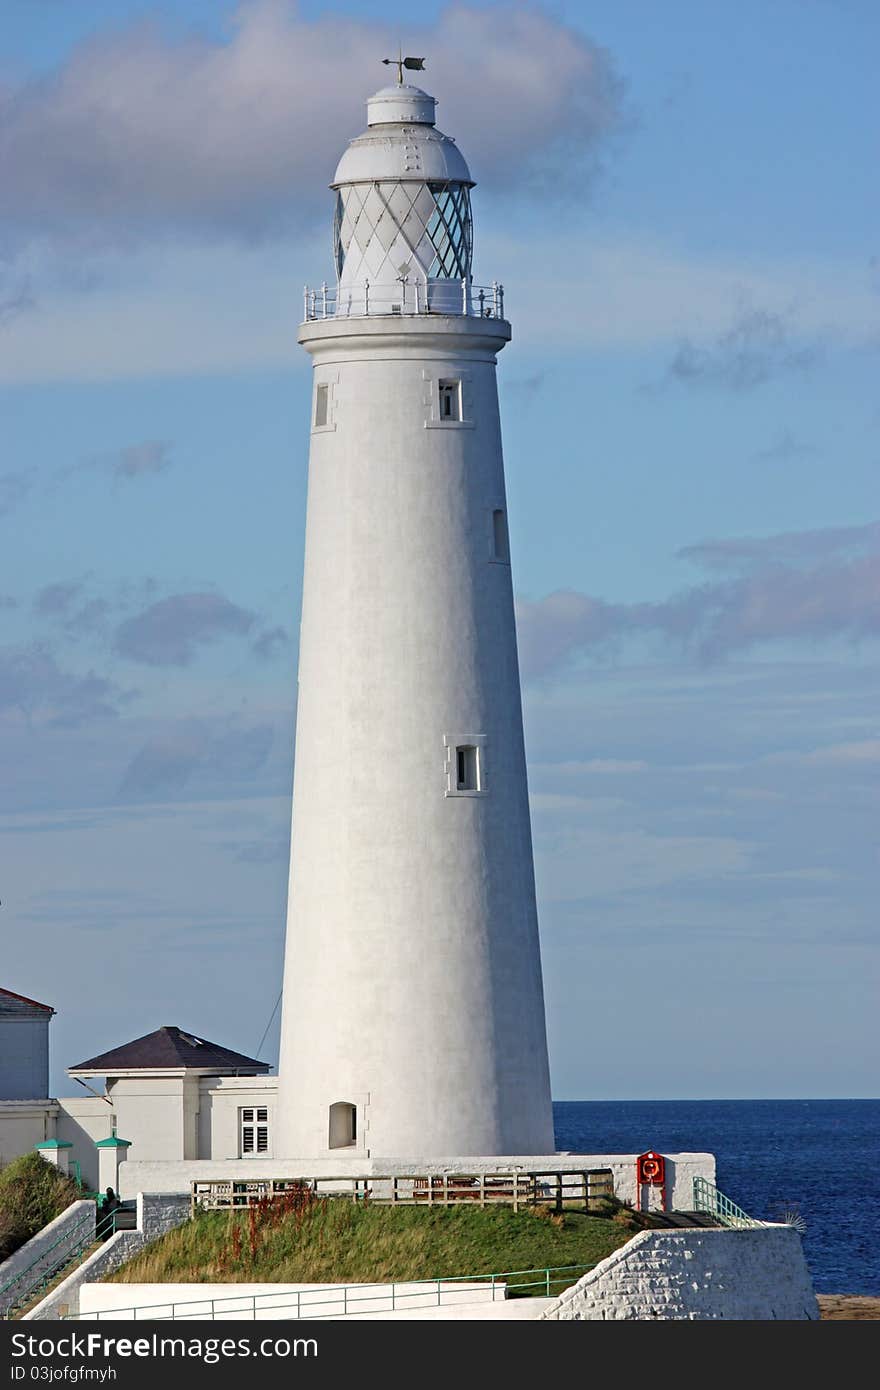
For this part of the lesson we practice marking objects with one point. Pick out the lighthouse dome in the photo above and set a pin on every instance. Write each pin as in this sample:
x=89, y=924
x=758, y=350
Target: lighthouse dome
x=403, y=214
x=402, y=142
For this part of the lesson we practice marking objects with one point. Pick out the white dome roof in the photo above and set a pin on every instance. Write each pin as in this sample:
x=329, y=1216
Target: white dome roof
x=402, y=142
x=401, y=103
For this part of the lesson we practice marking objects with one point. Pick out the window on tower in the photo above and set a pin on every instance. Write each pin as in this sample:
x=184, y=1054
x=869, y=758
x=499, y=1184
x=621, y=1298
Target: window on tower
x=500, y=545
x=322, y=397
x=343, y=1125
x=450, y=400
x=467, y=760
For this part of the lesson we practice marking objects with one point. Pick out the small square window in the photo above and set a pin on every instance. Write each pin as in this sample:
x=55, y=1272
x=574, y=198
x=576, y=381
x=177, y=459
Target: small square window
x=467, y=760
x=322, y=396
x=450, y=400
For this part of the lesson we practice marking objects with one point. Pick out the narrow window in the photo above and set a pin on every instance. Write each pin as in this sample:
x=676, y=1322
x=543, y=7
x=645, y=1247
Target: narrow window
x=450, y=400
x=253, y=1124
x=467, y=768
x=321, y=395
x=500, y=546
x=343, y=1125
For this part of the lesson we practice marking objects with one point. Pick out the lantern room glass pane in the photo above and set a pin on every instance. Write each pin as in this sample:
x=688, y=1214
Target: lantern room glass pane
x=450, y=231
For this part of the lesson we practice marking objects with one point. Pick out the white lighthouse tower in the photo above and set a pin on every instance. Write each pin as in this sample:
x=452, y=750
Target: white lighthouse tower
x=413, y=1022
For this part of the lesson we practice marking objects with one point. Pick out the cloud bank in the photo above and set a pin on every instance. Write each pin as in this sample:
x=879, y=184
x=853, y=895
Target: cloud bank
x=798, y=586
x=138, y=132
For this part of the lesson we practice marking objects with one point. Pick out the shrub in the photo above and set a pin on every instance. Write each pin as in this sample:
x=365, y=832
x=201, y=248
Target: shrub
x=32, y=1193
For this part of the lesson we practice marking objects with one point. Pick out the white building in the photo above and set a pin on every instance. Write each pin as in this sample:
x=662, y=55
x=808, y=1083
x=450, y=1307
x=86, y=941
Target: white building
x=171, y=1095
x=413, y=1021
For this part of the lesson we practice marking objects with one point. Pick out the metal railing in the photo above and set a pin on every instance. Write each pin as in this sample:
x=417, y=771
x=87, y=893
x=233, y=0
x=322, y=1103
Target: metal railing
x=335, y=1300
x=708, y=1198
x=408, y=298
x=67, y=1252
x=581, y=1188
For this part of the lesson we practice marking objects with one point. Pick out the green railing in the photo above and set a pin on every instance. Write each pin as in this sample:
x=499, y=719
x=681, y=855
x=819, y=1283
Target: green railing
x=707, y=1198
x=67, y=1252
x=334, y=1300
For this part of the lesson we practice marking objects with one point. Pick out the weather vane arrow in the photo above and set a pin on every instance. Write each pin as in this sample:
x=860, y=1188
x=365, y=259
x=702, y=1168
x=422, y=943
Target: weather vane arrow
x=413, y=64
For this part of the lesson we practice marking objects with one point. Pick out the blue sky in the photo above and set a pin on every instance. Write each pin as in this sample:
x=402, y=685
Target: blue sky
x=681, y=201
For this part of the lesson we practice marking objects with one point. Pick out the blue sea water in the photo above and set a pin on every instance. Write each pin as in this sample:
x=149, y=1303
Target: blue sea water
x=820, y=1158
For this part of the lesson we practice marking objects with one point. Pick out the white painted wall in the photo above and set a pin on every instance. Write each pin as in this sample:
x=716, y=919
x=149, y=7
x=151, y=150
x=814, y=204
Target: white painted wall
x=44, y=1251
x=698, y=1275
x=413, y=977
x=220, y=1099
x=24, y=1123
x=155, y=1177
x=82, y=1121
x=220, y=1302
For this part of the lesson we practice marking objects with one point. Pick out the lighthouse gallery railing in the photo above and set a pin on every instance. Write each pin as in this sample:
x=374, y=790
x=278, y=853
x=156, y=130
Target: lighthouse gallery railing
x=406, y=298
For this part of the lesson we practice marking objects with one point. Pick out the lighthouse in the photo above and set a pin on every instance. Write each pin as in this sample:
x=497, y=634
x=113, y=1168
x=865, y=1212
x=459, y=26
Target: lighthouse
x=413, y=1015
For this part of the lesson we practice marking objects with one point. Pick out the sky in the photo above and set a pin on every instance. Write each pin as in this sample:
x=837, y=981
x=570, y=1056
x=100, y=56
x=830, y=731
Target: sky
x=681, y=202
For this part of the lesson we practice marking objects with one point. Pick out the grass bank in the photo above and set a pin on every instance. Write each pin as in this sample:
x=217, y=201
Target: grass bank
x=333, y=1241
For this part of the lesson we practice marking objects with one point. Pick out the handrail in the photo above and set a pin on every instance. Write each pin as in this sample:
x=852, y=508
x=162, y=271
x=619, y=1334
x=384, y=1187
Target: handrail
x=708, y=1198
x=87, y=1220
x=100, y=1229
x=344, y=1295
x=407, y=298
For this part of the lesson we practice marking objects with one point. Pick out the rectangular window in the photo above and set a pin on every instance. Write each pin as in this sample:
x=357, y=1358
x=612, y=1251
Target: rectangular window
x=253, y=1124
x=500, y=546
x=322, y=394
x=467, y=759
x=450, y=400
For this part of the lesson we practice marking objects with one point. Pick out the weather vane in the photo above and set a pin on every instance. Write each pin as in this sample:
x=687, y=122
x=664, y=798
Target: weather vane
x=414, y=65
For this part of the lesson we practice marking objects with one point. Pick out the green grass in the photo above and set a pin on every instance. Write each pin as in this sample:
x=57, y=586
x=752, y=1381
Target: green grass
x=32, y=1193
x=340, y=1242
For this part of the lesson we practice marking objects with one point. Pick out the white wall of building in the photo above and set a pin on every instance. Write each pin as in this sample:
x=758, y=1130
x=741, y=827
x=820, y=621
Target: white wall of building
x=24, y=1123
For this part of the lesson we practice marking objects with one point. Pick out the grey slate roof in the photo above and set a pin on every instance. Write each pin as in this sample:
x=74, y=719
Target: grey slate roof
x=171, y=1048
x=13, y=1003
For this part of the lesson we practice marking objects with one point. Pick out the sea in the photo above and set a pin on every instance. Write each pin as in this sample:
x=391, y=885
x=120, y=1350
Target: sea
x=819, y=1159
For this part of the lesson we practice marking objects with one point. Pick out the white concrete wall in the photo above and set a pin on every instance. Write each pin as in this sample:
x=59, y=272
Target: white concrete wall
x=155, y=1216
x=699, y=1275
x=24, y=1056
x=193, y=1302
x=220, y=1098
x=64, y=1298
x=24, y=1123
x=82, y=1121
x=45, y=1251
x=413, y=978
x=176, y=1177
x=151, y=1113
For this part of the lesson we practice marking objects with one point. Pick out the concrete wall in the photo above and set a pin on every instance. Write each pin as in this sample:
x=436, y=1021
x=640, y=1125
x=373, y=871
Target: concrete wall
x=82, y=1120
x=64, y=1298
x=220, y=1098
x=698, y=1275
x=24, y=1053
x=155, y=1214
x=118, y=1302
x=155, y=1177
x=45, y=1251
x=24, y=1123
